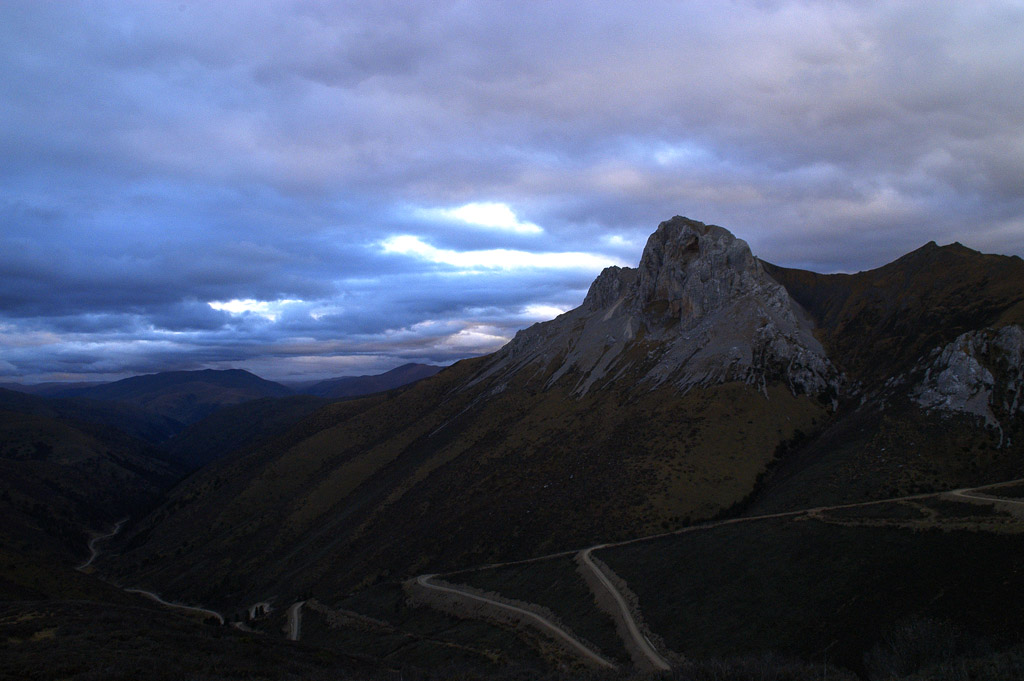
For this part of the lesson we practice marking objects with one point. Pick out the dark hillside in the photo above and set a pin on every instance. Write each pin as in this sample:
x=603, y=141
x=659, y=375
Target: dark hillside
x=62, y=480
x=876, y=324
x=442, y=475
x=354, y=386
x=237, y=426
x=128, y=418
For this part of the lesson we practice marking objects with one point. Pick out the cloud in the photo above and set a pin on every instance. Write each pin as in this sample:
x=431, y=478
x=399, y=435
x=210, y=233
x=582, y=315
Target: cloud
x=392, y=163
x=487, y=215
x=270, y=310
x=494, y=258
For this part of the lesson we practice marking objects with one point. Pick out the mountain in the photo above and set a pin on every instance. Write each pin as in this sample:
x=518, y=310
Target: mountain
x=877, y=324
x=186, y=396
x=49, y=389
x=704, y=383
x=659, y=401
x=354, y=386
x=931, y=347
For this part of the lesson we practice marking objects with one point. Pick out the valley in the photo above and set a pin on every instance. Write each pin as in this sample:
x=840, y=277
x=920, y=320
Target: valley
x=713, y=463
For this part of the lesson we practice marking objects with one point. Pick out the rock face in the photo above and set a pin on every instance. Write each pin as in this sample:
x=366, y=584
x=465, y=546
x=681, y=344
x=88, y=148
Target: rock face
x=699, y=309
x=980, y=373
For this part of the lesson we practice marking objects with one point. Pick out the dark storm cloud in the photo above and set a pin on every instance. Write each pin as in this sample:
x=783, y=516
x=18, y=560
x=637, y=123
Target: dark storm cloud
x=228, y=184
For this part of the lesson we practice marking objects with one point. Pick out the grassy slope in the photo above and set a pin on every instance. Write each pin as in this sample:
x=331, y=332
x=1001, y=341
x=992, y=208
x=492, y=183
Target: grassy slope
x=874, y=453
x=802, y=587
x=558, y=586
x=427, y=638
x=128, y=418
x=439, y=476
x=845, y=586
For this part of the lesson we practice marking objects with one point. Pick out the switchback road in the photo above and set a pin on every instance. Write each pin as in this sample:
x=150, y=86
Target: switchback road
x=93, y=551
x=538, y=620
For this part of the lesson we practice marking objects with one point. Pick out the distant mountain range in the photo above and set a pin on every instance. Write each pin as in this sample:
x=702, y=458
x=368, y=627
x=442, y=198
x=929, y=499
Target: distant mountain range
x=702, y=384
x=186, y=397
x=78, y=457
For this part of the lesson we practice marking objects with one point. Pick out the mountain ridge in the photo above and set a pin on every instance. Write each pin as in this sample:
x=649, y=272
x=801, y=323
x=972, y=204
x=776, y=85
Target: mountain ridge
x=704, y=383
x=700, y=301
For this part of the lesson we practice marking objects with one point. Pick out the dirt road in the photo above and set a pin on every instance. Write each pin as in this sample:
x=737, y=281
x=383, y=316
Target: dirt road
x=654, y=658
x=648, y=650
x=93, y=551
x=202, y=611
x=295, y=620
x=542, y=622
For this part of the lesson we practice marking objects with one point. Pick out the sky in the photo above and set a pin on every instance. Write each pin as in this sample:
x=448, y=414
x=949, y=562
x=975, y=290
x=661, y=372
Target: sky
x=313, y=189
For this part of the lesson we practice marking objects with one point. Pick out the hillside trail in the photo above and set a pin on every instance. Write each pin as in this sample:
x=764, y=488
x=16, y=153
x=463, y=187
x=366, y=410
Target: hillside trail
x=179, y=606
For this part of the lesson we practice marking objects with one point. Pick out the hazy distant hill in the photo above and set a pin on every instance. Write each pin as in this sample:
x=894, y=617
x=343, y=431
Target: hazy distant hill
x=354, y=386
x=129, y=418
x=48, y=389
x=186, y=396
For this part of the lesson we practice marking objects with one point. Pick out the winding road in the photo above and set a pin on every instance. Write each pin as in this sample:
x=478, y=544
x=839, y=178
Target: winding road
x=656, y=659
x=541, y=621
x=658, y=662
x=202, y=611
x=93, y=551
x=966, y=493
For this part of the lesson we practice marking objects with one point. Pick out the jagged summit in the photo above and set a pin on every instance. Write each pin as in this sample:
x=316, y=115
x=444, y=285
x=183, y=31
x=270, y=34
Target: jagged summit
x=699, y=309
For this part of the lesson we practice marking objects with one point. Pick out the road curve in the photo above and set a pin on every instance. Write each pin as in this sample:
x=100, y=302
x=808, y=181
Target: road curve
x=424, y=580
x=93, y=551
x=559, y=633
x=731, y=521
x=966, y=493
x=657, y=661
x=295, y=620
x=152, y=596
x=962, y=491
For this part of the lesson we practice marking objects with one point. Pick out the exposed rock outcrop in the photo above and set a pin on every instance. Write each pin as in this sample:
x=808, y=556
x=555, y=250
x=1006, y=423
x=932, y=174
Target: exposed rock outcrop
x=699, y=309
x=979, y=373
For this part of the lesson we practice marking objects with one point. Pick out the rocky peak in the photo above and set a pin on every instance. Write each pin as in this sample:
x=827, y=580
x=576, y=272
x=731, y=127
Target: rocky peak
x=698, y=310
x=694, y=267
